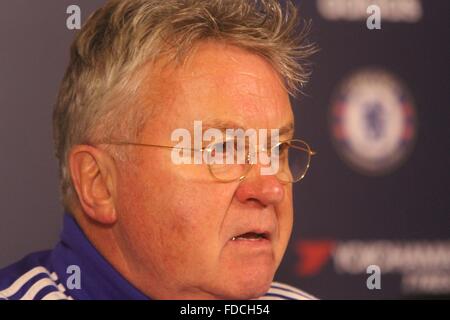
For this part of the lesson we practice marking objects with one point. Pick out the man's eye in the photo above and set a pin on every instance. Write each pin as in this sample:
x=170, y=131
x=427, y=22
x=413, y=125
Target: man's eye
x=222, y=148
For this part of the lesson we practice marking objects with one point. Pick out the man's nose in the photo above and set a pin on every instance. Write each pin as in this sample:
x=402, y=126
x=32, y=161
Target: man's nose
x=265, y=190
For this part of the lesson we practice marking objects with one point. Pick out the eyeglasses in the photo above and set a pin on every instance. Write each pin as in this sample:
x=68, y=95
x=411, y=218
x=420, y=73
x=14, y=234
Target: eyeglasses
x=294, y=157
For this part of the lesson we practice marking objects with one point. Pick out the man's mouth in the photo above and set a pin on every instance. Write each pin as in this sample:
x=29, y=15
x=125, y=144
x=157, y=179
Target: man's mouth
x=251, y=236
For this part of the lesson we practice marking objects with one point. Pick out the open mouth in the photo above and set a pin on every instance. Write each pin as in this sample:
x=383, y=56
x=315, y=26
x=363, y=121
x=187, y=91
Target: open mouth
x=251, y=236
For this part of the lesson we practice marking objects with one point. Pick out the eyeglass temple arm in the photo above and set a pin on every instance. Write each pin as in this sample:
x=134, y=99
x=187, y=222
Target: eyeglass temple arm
x=154, y=145
x=311, y=152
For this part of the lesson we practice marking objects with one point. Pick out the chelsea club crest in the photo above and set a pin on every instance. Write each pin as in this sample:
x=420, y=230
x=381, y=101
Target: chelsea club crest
x=373, y=121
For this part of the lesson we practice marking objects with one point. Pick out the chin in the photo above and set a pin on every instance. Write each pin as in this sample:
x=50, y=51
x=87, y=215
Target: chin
x=248, y=283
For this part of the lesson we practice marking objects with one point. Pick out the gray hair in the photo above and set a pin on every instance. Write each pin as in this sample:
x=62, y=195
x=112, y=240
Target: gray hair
x=95, y=100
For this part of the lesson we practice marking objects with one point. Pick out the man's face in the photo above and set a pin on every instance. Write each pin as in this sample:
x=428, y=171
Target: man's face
x=176, y=221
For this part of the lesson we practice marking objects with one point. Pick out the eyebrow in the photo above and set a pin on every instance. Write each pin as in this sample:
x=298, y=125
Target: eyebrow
x=286, y=130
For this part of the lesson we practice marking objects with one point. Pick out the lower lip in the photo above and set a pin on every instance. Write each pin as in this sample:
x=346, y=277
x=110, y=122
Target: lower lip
x=252, y=243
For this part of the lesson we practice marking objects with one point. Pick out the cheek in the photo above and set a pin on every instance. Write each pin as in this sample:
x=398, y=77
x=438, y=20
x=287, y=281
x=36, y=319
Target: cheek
x=196, y=215
x=189, y=229
x=173, y=220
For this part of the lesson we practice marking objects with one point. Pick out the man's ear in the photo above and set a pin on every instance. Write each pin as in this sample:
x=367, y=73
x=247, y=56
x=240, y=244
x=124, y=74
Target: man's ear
x=93, y=174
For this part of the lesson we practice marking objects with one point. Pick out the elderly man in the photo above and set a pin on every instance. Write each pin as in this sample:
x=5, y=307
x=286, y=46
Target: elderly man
x=139, y=225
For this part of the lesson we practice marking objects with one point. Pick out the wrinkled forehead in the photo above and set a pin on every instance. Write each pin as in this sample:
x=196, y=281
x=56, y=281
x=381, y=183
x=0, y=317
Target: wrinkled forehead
x=222, y=84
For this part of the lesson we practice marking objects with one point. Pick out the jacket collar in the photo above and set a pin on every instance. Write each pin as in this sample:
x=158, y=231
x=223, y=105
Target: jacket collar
x=98, y=278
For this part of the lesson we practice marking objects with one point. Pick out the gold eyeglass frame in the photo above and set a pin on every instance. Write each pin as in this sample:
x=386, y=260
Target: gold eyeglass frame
x=249, y=165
